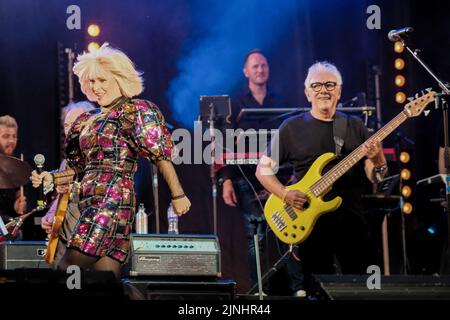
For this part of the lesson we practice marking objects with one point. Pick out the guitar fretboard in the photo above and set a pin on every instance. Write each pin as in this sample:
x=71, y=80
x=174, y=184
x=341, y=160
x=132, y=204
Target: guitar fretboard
x=323, y=184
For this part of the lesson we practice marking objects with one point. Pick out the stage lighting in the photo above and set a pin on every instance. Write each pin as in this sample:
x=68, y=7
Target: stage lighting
x=404, y=157
x=93, y=46
x=405, y=174
x=432, y=229
x=398, y=47
x=400, y=97
x=399, y=64
x=400, y=80
x=93, y=30
x=406, y=191
x=407, y=182
x=407, y=208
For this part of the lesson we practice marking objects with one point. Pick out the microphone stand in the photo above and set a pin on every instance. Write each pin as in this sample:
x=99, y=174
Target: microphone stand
x=212, y=171
x=441, y=103
x=377, y=74
x=12, y=228
x=154, y=173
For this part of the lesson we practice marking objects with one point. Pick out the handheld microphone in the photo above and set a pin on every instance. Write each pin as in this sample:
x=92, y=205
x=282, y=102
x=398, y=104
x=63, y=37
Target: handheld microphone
x=39, y=161
x=396, y=35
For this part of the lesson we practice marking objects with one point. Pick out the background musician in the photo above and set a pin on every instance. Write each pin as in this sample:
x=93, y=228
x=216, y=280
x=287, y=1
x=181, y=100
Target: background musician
x=237, y=191
x=12, y=204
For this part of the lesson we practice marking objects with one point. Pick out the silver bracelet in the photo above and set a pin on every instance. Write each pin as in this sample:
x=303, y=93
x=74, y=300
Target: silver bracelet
x=49, y=188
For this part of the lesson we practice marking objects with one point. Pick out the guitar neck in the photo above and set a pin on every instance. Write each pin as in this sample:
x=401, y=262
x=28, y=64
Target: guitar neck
x=323, y=184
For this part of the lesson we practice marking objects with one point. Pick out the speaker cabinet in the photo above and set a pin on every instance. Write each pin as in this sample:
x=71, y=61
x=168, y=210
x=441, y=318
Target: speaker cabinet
x=158, y=289
x=29, y=283
x=23, y=254
x=395, y=287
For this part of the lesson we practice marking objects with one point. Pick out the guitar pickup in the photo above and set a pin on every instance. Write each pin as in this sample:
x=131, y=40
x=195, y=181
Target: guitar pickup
x=290, y=211
x=278, y=220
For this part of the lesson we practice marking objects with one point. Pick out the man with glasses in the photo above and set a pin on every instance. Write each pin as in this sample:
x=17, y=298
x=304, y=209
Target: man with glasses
x=339, y=236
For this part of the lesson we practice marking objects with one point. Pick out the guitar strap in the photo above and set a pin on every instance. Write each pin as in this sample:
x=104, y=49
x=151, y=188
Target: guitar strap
x=339, y=132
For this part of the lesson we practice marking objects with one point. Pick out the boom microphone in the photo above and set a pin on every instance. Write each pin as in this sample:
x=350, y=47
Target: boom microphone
x=396, y=35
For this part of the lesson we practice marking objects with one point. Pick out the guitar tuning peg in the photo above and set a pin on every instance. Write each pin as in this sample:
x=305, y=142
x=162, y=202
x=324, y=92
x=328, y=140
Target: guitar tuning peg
x=417, y=95
x=428, y=89
x=426, y=113
x=410, y=99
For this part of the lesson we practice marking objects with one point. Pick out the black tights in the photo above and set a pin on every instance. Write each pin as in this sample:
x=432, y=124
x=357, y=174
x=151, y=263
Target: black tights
x=75, y=257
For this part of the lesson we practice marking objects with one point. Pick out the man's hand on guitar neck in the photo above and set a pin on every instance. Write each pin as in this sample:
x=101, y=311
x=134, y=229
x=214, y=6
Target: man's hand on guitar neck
x=295, y=199
x=374, y=152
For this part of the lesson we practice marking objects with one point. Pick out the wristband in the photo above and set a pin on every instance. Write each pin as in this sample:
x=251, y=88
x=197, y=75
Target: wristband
x=179, y=196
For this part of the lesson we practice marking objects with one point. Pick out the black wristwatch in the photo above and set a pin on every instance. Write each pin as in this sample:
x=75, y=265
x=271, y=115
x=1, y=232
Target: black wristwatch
x=378, y=171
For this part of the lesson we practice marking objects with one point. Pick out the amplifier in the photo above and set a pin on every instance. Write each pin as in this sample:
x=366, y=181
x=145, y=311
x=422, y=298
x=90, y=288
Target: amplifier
x=23, y=254
x=175, y=255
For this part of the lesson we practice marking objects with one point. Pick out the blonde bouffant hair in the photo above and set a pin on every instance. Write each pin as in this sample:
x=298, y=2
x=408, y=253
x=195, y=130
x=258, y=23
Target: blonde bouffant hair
x=106, y=59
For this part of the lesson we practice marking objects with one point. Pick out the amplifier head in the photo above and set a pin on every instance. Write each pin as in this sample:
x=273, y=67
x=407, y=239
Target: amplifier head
x=175, y=255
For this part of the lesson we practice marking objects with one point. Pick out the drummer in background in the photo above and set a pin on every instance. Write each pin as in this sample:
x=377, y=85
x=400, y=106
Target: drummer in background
x=11, y=203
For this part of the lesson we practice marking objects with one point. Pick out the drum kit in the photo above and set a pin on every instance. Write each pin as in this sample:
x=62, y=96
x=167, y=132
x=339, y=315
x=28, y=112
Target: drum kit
x=14, y=173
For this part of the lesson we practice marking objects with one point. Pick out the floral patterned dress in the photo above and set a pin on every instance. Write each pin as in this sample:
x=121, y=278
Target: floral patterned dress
x=103, y=147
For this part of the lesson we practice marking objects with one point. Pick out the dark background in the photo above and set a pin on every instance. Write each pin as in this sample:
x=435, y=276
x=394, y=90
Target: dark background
x=190, y=47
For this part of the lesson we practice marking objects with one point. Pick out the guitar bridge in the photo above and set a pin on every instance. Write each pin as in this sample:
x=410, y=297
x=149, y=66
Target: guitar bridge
x=278, y=220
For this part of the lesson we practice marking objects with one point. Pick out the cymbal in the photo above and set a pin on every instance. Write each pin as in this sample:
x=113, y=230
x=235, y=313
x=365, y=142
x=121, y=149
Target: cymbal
x=13, y=172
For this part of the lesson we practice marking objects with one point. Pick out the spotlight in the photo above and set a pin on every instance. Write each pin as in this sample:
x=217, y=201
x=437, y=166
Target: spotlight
x=93, y=30
x=400, y=80
x=399, y=64
x=400, y=97
x=404, y=157
x=398, y=47
x=405, y=174
x=93, y=46
x=406, y=191
x=407, y=208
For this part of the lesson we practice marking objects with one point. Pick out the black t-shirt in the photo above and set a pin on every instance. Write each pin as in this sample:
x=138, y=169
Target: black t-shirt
x=303, y=138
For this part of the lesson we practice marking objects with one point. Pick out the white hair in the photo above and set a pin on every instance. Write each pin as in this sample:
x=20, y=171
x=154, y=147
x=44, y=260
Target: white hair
x=323, y=66
x=114, y=61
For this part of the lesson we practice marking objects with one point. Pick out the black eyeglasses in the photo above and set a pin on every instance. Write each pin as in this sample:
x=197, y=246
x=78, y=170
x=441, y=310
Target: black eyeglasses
x=329, y=86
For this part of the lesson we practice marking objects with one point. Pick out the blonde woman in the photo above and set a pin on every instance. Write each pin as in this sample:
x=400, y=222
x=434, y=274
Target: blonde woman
x=102, y=148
